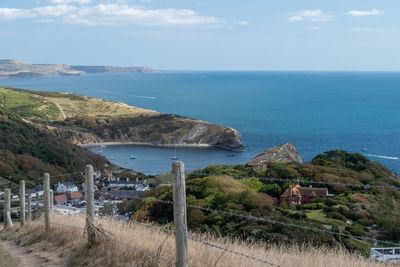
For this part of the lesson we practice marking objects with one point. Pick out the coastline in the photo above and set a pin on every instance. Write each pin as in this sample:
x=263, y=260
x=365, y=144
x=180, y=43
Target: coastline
x=145, y=144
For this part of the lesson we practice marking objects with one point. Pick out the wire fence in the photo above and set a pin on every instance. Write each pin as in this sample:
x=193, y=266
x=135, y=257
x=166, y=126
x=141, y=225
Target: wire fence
x=234, y=214
x=265, y=220
x=362, y=186
x=170, y=233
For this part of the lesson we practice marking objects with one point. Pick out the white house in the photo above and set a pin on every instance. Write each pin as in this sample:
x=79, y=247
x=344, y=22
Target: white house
x=37, y=191
x=66, y=187
x=65, y=210
x=138, y=186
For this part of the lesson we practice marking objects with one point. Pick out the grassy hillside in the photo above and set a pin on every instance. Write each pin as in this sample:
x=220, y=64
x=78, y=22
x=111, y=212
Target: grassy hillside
x=370, y=212
x=28, y=105
x=82, y=120
x=27, y=152
x=41, y=105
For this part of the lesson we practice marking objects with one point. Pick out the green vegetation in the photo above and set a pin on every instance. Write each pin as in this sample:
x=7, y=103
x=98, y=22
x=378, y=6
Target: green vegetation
x=361, y=211
x=320, y=216
x=27, y=152
x=161, y=179
x=29, y=106
x=41, y=105
x=352, y=161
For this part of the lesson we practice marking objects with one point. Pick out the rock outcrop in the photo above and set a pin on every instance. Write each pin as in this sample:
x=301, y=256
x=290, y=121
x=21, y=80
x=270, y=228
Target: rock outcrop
x=283, y=153
x=156, y=130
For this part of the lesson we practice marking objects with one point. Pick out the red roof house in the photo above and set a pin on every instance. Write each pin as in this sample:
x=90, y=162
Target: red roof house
x=302, y=195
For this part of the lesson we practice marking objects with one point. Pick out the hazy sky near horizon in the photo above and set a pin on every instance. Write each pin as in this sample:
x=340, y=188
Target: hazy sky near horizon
x=204, y=34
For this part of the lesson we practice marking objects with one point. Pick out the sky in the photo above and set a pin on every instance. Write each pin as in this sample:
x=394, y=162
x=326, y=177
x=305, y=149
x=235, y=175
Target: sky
x=205, y=34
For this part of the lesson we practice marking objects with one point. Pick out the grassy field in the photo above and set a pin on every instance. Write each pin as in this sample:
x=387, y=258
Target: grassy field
x=70, y=243
x=7, y=260
x=29, y=106
x=319, y=216
x=43, y=105
x=160, y=179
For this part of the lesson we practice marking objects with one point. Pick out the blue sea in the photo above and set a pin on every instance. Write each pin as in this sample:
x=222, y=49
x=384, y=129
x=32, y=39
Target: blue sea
x=317, y=111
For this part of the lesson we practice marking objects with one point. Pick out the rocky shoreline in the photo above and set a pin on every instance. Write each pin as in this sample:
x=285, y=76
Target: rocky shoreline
x=144, y=144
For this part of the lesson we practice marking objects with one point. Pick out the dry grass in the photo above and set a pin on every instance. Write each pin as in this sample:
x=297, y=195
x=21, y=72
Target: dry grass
x=7, y=260
x=69, y=243
x=90, y=106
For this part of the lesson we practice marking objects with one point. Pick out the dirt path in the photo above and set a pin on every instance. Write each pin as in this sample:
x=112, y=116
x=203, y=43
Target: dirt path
x=62, y=112
x=27, y=259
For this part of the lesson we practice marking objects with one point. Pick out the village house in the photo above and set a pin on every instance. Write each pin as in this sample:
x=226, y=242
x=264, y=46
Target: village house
x=83, y=185
x=302, y=195
x=109, y=176
x=138, y=186
x=122, y=195
x=37, y=191
x=70, y=197
x=66, y=187
x=68, y=210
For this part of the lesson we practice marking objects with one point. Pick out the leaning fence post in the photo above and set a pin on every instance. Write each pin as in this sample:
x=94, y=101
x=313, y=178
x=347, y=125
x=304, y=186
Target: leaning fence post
x=22, y=202
x=46, y=195
x=89, y=193
x=7, y=208
x=29, y=207
x=180, y=220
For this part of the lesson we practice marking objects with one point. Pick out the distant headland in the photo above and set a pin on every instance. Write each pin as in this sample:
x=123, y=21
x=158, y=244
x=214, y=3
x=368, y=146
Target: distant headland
x=12, y=69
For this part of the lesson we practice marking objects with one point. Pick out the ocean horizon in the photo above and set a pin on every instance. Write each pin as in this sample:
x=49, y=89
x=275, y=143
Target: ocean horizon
x=318, y=111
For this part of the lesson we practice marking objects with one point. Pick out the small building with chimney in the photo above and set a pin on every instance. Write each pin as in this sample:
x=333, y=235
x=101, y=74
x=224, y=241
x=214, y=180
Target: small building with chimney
x=295, y=195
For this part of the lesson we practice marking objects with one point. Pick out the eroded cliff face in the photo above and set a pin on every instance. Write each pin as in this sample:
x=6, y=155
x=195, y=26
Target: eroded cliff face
x=157, y=130
x=283, y=153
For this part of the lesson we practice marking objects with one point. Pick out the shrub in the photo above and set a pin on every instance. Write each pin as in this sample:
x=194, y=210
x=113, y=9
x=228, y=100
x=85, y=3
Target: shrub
x=330, y=202
x=273, y=190
x=335, y=215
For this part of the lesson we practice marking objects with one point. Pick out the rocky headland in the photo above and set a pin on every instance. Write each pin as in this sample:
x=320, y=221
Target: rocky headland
x=84, y=120
x=12, y=69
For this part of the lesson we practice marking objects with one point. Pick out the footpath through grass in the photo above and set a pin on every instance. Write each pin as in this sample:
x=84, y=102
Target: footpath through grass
x=7, y=260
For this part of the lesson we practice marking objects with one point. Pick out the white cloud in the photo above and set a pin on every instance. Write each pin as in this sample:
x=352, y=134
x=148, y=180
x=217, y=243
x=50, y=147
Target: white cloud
x=14, y=13
x=111, y=14
x=70, y=1
x=243, y=22
x=53, y=11
x=361, y=13
x=314, y=15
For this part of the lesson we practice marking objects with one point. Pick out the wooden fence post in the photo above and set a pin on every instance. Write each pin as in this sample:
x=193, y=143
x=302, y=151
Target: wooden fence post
x=51, y=199
x=22, y=202
x=89, y=194
x=7, y=208
x=46, y=195
x=29, y=207
x=180, y=219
